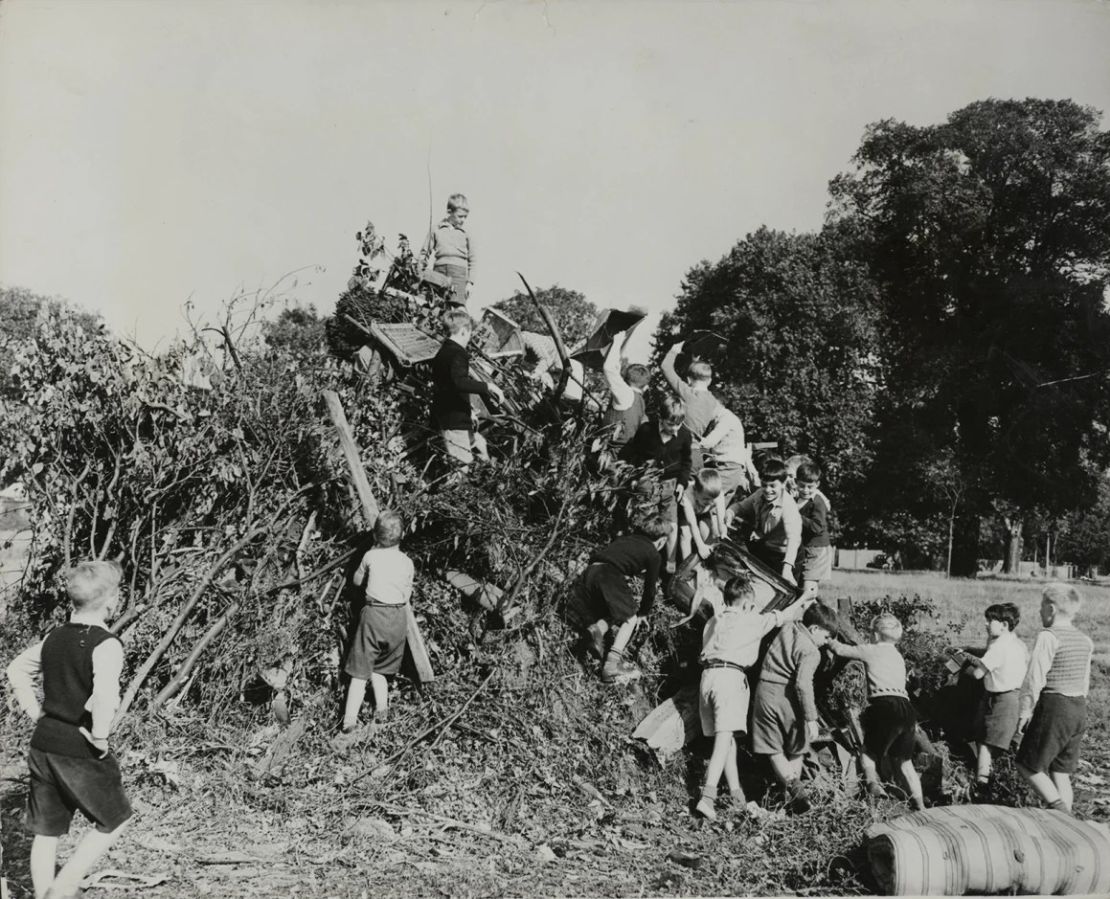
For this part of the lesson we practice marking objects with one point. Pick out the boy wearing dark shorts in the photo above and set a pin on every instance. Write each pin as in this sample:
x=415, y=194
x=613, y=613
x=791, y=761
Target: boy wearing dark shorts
x=604, y=600
x=1053, y=702
x=386, y=577
x=72, y=767
x=889, y=721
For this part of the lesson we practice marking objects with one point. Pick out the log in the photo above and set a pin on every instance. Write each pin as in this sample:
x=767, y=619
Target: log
x=370, y=511
x=486, y=595
x=182, y=675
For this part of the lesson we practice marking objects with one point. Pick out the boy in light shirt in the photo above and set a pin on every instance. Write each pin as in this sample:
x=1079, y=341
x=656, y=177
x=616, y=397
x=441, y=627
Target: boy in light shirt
x=769, y=521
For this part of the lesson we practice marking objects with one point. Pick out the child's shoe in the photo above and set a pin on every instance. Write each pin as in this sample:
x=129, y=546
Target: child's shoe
x=617, y=669
x=348, y=737
x=797, y=802
x=705, y=808
x=594, y=642
x=876, y=790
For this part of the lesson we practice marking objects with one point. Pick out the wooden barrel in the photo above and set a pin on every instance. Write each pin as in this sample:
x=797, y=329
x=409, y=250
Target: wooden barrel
x=984, y=849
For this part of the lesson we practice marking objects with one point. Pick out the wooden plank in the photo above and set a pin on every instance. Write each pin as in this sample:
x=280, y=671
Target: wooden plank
x=592, y=352
x=370, y=511
x=670, y=725
x=488, y=596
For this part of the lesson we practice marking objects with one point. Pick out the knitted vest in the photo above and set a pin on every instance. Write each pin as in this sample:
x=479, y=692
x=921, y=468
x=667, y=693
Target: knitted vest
x=624, y=422
x=1071, y=667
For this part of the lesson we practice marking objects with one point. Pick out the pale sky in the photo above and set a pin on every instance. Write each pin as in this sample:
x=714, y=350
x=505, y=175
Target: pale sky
x=152, y=152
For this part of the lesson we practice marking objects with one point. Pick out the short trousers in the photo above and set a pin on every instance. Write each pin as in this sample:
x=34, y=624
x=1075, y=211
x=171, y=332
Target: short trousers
x=996, y=719
x=1051, y=742
x=889, y=727
x=458, y=445
x=723, y=701
x=608, y=594
x=777, y=720
x=815, y=563
x=379, y=641
x=459, y=276
x=61, y=785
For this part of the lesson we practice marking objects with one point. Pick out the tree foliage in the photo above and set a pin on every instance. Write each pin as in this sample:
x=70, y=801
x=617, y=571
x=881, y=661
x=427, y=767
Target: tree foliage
x=573, y=313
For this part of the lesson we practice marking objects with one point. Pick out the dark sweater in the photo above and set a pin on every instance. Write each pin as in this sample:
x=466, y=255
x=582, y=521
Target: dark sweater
x=634, y=555
x=675, y=456
x=452, y=386
x=815, y=522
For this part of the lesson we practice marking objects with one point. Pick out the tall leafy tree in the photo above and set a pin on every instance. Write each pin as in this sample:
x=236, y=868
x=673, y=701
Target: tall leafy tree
x=989, y=239
x=799, y=316
x=573, y=313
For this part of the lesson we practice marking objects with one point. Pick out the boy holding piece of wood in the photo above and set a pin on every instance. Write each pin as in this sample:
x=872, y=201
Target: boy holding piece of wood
x=72, y=766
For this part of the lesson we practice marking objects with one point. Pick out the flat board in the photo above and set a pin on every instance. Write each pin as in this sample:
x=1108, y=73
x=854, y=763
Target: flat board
x=611, y=322
x=405, y=342
x=501, y=335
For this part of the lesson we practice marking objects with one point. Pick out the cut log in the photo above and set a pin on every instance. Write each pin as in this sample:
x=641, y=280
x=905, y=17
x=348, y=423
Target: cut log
x=486, y=595
x=419, y=652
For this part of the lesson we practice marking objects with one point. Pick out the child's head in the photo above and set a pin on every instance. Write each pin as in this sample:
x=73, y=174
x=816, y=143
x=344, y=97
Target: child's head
x=388, y=529
x=1059, y=602
x=459, y=324
x=707, y=482
x=886, y=628
x=672, y=413
x=822, y=623
x=637, y=375
x=94, y=586
x=652, y=525
x=772, y=474
x=739, y=590
x=1001, y=617
x=808, y=479
x=700, y=374
x=458, y=208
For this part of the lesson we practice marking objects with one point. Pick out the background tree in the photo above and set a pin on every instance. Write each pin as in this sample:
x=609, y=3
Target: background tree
x=798, y=312
x=297, y=330
x=573, y=313
x=989, y=239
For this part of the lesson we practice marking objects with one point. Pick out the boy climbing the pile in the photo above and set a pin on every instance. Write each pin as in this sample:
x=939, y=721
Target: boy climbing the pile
x=386, y=578
x=816, y=553
x=889, y=721
x=701, y=514
x=702, y=407
x=71, y=764
x=724, y=446
x=626, y=410
x=730, y=645
x=1053, y=699
x=784, y=715
x=607, y=604
x=665, y=442
x=770, y=516
x=1002, y=669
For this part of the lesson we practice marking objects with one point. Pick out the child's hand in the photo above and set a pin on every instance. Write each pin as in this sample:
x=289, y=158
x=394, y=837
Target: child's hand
x=813, y=729
x=1024, y=717
x=497, y=393
x=100, y=744
x=788, y=574
x=704, y=551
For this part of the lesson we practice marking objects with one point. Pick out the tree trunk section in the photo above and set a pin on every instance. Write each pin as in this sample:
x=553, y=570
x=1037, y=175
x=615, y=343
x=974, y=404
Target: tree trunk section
x=965, y=545
x=1011, y=562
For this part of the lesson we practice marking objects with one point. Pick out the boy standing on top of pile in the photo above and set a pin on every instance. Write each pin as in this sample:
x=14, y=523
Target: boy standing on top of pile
x=626, y=410
x=386, y=577
x=71, y=764
x=1054, y=699
x=889, y=721
x=450, y=249
x=730, y=645
x=770, y=516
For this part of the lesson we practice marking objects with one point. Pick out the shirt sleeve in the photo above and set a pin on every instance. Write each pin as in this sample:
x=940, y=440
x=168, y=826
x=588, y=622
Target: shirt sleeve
x=846, y=651
x=745, y=509
x=669, y=372
x=460, y=376
x=792, y=524
x=622, y=393
x=1044, y=651
x=803, y=682
x=768, y=621
x=107, y=664
x=410, y=577
x=22, y=672
x=359, y=580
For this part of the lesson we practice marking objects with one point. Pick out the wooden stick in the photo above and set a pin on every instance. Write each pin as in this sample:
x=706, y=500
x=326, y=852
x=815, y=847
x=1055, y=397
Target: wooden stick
x=560, y=348
x=179, y=679
x=443, y=819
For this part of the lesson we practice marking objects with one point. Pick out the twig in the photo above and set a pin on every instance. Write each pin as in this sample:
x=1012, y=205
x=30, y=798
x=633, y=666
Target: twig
x=443, y=819
x=182, y=675
x=305, y=534
x=311, y=576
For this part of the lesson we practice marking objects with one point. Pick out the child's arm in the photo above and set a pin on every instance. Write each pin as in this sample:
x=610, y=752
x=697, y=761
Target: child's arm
x=410, y=578
x=692, y=525
x=792, y=524
x=743, y=510
x=1040, y=661
x=623, y=395
x=717, y=518
x=363, y=571
x=107, y=664
x=803, y=684
x=22, y=672
x=668, y=368
x=847, y=652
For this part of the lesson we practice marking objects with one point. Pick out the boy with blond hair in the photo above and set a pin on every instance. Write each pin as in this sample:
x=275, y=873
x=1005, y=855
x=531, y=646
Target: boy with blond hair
x=889, y=721
x=385, y=576
x=701, y=514
x=1053, y=701
x=72, y=766
x=450, y=249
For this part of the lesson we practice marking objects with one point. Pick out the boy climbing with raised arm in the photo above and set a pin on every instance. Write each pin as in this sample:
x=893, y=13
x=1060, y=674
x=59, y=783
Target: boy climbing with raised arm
x=730, y=645
x=702, y=407
x=72, y=766
x=626, y=411
x=889, y=721
x=1053, y=701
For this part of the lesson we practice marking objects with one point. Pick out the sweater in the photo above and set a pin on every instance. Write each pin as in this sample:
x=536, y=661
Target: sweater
x=886, y=668
x=792, y=658
x=675, y=456
x=451, y=386
x=1060, y=663
x=815, y=521
x=451, y=245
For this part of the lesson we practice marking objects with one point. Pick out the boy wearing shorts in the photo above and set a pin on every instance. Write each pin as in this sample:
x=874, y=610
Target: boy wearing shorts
x=784, y=717
x=730, y=645
x=1053, y=699
x=386, y=577
x=889, y=721
x=816, y=553
x=72, y=767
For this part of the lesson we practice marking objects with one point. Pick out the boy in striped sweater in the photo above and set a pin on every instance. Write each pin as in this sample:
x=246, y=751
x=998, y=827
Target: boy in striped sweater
x=1053, y=703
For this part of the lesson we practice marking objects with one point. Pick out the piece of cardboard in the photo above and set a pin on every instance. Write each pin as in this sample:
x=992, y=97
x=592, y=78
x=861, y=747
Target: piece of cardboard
x=592, y=352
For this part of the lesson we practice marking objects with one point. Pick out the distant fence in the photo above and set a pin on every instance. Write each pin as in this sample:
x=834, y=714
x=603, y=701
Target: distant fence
x=855, y=558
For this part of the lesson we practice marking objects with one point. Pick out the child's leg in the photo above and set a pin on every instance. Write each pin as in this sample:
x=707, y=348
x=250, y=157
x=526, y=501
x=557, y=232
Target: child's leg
x=672, y=546
x=44, y=855
x=983, y=769
x=1045, y=787
x=913, y=783
x=380, y=686
x=685, y=541
x=781, y=767
x=92, y=846
x=732, y=770
x=870, y=766
x=356, y=693
x=1062, y=782
x=722, y=743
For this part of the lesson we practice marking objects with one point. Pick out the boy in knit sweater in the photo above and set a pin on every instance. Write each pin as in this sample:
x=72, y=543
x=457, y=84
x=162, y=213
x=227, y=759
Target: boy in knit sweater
x=1053, y=702
x=784, y=716
x=769, y=521
x=71, y=764
x=815, y=557
x=889, y=722
x=450, y=249
x=730, y=645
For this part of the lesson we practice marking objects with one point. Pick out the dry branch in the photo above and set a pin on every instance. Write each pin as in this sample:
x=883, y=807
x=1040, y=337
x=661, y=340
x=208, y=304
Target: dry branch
x=179, y=679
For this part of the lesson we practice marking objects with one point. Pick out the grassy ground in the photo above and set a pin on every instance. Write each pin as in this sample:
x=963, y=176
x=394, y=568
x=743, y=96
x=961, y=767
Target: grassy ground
x=534, y=790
